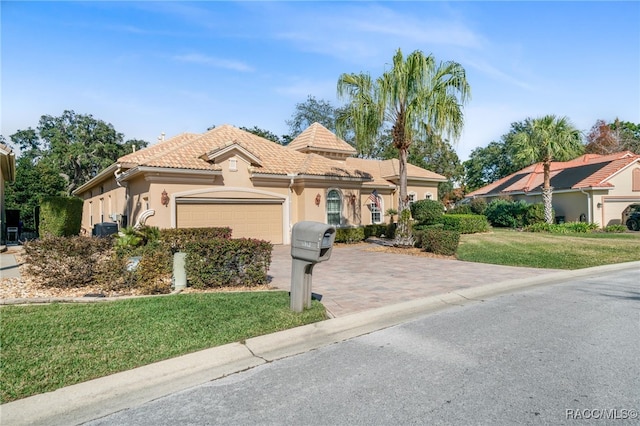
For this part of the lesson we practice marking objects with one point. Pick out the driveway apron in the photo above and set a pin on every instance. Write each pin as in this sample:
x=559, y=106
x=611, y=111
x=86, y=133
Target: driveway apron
x=356, y=278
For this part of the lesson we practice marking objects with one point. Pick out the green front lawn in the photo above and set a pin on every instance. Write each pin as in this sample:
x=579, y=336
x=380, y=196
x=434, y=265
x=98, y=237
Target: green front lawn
x=554, y=251
x=46, y=347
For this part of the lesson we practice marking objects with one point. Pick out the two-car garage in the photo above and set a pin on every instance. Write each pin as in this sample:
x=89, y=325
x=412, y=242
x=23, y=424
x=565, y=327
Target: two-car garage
x=261, y=218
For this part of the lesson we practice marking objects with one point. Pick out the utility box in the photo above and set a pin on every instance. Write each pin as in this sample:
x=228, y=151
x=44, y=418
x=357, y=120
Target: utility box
x=105, y=228
x=311, y=243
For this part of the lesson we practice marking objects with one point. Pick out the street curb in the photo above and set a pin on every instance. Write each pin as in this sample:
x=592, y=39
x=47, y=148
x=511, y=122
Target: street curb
x=90, y=400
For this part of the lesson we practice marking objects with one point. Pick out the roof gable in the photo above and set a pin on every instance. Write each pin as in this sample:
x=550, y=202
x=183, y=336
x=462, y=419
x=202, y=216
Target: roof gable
x=222, y=151
x=318, y=139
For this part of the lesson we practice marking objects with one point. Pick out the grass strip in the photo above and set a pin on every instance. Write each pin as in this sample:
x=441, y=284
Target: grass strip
x=46, y=347
x=552, y=251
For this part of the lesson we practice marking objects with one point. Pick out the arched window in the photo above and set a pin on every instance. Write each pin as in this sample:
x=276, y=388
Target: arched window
x=413, y=197
x=334, y=207
x=428, y=196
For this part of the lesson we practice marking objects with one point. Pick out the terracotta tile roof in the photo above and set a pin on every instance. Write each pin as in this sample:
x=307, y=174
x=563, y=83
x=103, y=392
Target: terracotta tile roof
x=317, y=138
x=586, y=171
x=186, y=151
x=384, y=171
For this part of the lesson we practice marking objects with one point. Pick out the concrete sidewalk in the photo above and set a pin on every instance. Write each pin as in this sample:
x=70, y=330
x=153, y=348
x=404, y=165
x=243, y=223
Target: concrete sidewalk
x=96, y=398
x=8, y=265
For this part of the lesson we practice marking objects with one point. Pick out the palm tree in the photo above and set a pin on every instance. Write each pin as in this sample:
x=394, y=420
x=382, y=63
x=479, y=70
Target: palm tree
x=416, y=98
x=544, y=140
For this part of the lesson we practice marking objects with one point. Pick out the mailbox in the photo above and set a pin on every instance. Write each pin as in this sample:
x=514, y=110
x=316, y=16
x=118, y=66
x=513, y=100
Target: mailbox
x=311, y=243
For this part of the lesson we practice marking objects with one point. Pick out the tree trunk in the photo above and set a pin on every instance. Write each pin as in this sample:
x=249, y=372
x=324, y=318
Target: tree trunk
x=547, y=193
x=404, y=236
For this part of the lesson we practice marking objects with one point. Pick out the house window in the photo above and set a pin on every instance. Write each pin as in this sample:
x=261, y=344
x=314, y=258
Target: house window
x=375, y=207
x=334, y=207
x=635, y=186
x=90, y=213
x=428, y=196
x=413, y=197
x=101, y=210
x=233, y=164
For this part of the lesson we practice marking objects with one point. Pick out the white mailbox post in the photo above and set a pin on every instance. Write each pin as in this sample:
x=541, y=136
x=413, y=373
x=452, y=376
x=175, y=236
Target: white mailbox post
x=311, y=243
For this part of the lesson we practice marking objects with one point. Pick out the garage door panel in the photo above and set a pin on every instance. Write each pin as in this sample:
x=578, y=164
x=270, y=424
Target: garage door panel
x=263, y=221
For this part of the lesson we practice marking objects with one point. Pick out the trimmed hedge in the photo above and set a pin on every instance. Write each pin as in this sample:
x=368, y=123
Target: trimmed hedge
x=465, y=223
x=427, y=212
x=222, y=262
x=60, y=216
x=350, y=235
x=178, y=238
x=514, y=214
x=563, y=228
x=380, y=230
x=440, y=241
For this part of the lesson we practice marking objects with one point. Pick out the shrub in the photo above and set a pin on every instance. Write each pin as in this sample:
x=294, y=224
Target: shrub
x=60, y=216
x=68, y=262
x=513, y=214
x=427, y=212
x=418, y=232
x=615, y=228
x=562, y=228
x=534, y=214
x=350, y=235
x=223, y=262
x=465, y=223
x=461, y=209
x=478, y=205
x=178, y=238
x=440, y=241
x=155, y=269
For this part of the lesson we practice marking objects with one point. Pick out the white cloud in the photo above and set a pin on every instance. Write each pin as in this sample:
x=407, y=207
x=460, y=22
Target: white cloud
x=197, y=58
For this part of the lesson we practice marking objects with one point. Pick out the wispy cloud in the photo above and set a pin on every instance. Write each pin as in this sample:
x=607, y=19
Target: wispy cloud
x=497, y=74
x=197, y=58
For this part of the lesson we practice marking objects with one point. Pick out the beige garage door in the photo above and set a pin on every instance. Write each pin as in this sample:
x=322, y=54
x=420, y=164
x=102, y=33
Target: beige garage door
x=247, y=220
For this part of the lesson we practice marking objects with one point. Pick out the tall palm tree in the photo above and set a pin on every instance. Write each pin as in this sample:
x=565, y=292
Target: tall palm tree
x=416, y=98
x=544, y=140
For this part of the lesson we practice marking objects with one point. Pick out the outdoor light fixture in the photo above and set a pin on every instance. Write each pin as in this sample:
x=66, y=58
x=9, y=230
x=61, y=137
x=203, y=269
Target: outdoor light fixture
x=318, y=199
x=599, y=205
x=165, y=198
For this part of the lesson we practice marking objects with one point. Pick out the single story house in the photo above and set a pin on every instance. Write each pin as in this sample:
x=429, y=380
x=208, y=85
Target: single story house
x=230, y=177
x=592, y=188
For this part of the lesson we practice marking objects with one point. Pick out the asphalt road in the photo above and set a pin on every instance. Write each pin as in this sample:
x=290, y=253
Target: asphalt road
x=549, y=355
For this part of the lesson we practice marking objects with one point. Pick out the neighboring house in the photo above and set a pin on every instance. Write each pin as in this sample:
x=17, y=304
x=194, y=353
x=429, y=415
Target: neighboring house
x=592, y=188
x=230, y=177
x=7, y=174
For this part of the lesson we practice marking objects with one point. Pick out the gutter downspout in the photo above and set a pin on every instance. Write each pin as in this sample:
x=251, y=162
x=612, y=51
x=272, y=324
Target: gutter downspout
x=589, y=206
x=292, y=177
x=124, y=185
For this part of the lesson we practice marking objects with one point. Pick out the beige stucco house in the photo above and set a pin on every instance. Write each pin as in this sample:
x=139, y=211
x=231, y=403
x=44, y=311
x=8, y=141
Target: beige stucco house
x=7, y=174
x=230, y=177
x=593, y=188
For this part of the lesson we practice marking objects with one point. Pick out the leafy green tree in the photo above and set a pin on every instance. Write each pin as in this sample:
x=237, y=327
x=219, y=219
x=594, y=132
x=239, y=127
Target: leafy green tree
x=311, y=111
x=61, y=154
x=78, y=145
x=544, y=140
x=416, y=98
x=264, y=134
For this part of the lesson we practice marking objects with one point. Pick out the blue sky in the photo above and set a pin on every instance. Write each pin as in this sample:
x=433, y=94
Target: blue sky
x=152, y=67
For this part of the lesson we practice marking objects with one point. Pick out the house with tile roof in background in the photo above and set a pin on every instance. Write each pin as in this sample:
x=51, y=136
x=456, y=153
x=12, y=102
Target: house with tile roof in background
x=230, y=177
x=591, y=188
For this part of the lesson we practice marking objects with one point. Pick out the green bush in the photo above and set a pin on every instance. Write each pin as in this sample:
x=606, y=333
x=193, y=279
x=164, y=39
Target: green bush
x=478, y=205
x=350, y=235
x=418, y=232
x=534, y=214
x=427, y=212
x=514, y=214
x=440, y=241
x=465, y=223
x=381, y=230
x=60, y=216
x=226, y=262
x=562, y=228
x=461, y=209
x=615, y=228
x=177, y=238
